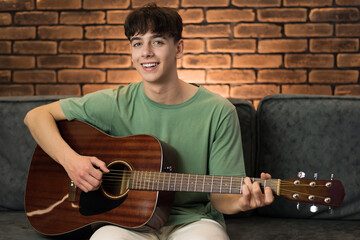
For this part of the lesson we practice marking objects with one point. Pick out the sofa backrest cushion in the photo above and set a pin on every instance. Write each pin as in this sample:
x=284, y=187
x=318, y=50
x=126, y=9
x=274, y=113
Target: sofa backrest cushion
x=311, y=134
x=16, y=149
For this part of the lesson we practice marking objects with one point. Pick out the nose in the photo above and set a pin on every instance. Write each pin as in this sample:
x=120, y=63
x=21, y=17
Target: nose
x=147, y=50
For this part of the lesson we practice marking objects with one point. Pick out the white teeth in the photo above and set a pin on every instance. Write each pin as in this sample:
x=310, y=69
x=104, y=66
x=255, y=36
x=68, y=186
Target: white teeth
x=148, y=65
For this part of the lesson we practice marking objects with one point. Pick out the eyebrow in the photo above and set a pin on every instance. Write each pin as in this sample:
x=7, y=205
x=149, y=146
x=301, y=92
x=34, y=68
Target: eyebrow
x=152, y=37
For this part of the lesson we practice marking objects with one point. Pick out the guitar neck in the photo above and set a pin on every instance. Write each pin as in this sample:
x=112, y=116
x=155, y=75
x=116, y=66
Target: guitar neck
x=160, y=181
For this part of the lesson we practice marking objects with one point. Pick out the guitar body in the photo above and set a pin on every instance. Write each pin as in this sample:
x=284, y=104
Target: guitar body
x=54, y=206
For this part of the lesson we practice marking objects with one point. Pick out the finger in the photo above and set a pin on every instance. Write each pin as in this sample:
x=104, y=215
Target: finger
x=269, y=196
x=257, y=194
x=100, y=164
x=265, y=176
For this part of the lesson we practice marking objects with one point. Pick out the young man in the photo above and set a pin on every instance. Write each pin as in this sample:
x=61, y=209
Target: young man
x=201, y=126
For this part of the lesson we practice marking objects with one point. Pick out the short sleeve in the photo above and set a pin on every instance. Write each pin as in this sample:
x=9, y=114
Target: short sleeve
x=96, y=108
x=226, y=155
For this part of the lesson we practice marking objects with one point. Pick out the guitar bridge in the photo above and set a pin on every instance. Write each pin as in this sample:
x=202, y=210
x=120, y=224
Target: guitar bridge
x=72, y=191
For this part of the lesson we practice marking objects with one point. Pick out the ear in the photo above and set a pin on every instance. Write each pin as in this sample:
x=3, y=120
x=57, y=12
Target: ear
x=180, y=48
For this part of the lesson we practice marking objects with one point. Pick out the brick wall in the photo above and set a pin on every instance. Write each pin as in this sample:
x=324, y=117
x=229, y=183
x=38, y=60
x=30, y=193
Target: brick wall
x=238, y=48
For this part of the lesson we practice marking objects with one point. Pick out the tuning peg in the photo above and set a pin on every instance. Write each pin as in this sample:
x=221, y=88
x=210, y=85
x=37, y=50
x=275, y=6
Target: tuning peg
x=315, y=176
x=301, y=174
x=332, y=176
x=331, y=211
x=314, y=208
x=298, y=206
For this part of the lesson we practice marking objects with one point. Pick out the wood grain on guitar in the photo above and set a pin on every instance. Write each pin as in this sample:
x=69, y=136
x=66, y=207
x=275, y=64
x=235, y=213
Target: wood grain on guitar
x=138, y=191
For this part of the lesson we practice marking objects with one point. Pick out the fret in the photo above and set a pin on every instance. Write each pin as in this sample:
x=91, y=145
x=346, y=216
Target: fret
x=169, y=182
x=242, y=182
x=221, y=183
x=175, y=182
x=203, y=184
x=181, y=184
x=231, y=179
x=187, y=189
x=212, y=183
x=195, y=183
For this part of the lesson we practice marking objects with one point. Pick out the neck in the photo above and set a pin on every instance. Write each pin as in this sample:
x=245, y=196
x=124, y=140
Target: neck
x=194, y=183
x=174, y=92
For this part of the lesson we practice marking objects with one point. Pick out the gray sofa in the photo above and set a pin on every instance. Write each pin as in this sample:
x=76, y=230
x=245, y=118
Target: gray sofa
x=285, y=135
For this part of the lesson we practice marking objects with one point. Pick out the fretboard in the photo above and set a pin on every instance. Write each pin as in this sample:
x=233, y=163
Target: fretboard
x=178, y=182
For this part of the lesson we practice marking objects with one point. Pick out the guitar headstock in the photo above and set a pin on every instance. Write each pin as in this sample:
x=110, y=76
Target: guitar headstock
x=323, y=192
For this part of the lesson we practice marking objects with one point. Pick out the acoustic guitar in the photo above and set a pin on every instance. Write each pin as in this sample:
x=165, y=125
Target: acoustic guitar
x=138, y=191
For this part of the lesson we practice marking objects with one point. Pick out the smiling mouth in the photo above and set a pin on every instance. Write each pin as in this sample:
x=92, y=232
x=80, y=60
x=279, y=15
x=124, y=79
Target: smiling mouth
x=149, y=65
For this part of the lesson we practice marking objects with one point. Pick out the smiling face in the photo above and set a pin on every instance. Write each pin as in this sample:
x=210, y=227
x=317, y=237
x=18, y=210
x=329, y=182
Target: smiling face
x=155, y=56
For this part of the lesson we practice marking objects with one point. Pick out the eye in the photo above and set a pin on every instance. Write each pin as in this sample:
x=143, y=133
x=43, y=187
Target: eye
x=136, y=44
x=158, y=42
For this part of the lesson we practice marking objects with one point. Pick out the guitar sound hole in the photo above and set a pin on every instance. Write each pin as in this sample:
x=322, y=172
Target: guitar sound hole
x=113, y=191
x=115, y=184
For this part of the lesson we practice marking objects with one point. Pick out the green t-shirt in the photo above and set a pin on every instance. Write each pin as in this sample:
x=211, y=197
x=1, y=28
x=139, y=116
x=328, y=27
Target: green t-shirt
x=204, y=131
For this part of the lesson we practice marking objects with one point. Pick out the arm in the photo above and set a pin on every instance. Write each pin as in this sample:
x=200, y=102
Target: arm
x=251, y=198
x=41, y=122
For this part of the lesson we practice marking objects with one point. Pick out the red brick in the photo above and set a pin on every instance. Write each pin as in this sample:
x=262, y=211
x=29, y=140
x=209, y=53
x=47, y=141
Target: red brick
x=107, y=61
x=58, y=4
x=117, y=46
x=35, y=47
x=307, y=3
x=191, y=15
x=334, y=15
x=35, y=76
x=347, y=90
x=347, y=2
x=308, y=30
x=194, y=46
x=307, y=89
x=89, y=88
x=257, y=61
x=230, y=15
x=60, y=32
x=309, y=61
x=257, y=30
x=222, y=90
x=123, y=76
x=5, y=19
x=334, y=76
x=5, y=47
x=117, y=16
x=17, y=62
x=36, y=18
x=203, y=31
x=65, y=89
x=256, y=3
x=348, y=30
x=231, y=76
x=16, y=33
x=5, y=76
x=334, y=45
x=232, y=45
x=16, y=5
x=282, y=45
x=161, y=3
x=253, y=91
x=192, y=76
x=105, y=32
x=106, y=4
x=282, y=76
x=207, y=61
x=60, y=61
x=348, y=60
x=204, y=3
x=282, y=15
x=81, y=76
x=82, y=18
x=16, y=90
x=81, y=46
